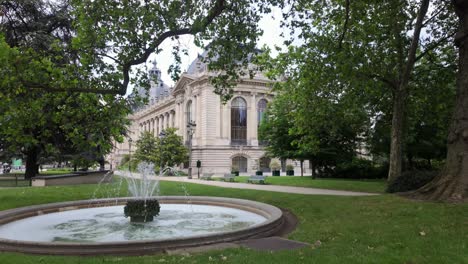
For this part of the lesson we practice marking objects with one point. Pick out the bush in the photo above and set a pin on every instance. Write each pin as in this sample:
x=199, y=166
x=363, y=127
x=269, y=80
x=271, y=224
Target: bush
x=411, y=180
x=274, y=165
x=359, y=169
x=142, y=210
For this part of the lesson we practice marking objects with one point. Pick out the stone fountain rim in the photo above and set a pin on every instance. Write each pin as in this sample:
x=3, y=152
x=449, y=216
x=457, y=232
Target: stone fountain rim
x=267, y=228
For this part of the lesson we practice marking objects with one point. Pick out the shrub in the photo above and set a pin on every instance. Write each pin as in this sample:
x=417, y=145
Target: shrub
x=289, y=167
x=359, y=169
x=274, y=165
x=142, y=210
x=411, y=180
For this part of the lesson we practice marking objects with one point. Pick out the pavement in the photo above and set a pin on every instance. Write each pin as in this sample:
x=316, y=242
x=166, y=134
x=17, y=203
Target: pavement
x=260, y=187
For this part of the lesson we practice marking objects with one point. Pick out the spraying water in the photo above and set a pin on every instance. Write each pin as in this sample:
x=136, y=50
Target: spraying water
x=147, y=184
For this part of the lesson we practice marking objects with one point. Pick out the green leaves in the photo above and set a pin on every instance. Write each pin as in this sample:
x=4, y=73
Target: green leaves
x=166, y=152
x=114, y=36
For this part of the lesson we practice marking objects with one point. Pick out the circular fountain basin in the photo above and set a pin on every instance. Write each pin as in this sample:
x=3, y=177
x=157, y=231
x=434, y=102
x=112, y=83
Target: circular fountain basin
x=95, y=227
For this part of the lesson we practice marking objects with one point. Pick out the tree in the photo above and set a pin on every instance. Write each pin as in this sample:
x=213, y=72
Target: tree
x=430, y=105
x=374, y=47
x=171, y=149
x=275, y=129
x=147, y=148
x=165, y=151
x=304, y=122
x=35, y=43
x=113, y=36
x=452, y=183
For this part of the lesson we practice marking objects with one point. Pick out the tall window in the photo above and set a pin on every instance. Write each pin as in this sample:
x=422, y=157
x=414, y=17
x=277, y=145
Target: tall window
x=189, y=112
x=240, y=163
x=261, y=107
x=239, y=121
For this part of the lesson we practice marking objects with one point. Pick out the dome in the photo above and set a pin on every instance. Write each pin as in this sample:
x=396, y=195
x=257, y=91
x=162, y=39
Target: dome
x=158, y=89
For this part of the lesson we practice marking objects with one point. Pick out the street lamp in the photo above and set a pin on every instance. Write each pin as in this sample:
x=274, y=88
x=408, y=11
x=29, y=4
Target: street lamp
x=161, y=135
x=191, y=130
x=129, y=154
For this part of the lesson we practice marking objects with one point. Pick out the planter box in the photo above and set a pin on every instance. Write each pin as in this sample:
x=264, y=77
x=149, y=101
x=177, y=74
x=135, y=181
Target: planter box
x=275, y=173
x=260, y=173
x=290, y=172
x=235, y=173
x=89, y=177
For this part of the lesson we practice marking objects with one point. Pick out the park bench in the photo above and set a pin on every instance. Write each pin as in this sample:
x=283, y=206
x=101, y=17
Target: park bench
x=256, y=179
x=229, y=177
x=206, y=176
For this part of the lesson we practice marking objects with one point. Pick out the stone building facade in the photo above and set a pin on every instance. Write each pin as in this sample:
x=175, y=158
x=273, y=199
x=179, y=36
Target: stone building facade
x=221, y=135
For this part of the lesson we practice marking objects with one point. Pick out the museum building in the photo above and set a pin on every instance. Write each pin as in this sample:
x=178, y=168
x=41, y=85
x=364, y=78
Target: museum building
x=220, y=136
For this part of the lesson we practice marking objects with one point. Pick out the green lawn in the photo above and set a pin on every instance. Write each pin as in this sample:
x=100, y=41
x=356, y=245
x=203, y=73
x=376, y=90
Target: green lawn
x=376, y=186
x=376, y=229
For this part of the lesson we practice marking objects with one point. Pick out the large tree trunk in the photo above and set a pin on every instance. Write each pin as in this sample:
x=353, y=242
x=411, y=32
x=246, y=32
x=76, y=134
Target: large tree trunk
x=395, y=162
x=452, y=183
x=32, y=167
x=400, y=94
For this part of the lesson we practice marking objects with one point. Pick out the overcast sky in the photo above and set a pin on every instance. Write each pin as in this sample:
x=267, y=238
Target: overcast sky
x=270, y=23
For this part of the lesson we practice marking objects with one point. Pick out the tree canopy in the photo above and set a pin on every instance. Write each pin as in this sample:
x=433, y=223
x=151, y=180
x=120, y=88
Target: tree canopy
x=165, y=151
x=114, y=36
x=36, y=50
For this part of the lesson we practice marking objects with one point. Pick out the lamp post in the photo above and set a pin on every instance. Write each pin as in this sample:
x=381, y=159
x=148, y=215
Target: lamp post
x=130, y=154
x=161, y=135
x=191, y=130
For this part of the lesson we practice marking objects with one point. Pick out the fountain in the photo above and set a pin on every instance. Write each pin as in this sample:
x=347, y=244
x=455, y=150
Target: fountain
x=99, y=226
x=145, y=208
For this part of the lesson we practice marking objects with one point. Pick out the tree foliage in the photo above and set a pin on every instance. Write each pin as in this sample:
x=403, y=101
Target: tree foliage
x=368, y=52
x=115, y=36
x=147, y=148
x=312, y=117
x=36, y=51
x=166, y=151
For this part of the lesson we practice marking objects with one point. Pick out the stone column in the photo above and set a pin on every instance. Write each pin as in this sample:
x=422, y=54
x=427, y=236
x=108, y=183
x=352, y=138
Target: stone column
x=168, y=117
x=161, y=128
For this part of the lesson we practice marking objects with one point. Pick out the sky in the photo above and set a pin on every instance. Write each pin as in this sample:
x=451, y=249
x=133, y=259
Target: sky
x=270, y=23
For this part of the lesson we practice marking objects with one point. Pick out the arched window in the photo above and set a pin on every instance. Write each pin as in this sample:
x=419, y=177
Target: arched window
x=238, y=121
x=261, y=107
x=240, y=163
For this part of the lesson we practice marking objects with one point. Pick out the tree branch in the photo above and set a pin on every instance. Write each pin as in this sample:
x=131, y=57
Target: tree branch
x=414, y=44
x=435, y=45
x=345, y=24
x=198, y=26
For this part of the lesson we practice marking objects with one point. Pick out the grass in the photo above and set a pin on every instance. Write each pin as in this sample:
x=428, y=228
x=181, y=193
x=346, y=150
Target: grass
x=377, y=229
x=375, y=186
